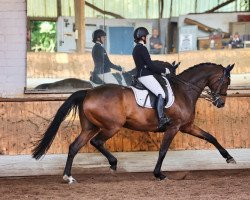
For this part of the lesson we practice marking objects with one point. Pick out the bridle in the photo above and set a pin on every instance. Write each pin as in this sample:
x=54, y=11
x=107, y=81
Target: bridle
x=214, y=97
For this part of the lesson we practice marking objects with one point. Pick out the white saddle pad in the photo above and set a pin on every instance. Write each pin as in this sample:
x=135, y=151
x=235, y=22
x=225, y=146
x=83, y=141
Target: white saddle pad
x=142, y=95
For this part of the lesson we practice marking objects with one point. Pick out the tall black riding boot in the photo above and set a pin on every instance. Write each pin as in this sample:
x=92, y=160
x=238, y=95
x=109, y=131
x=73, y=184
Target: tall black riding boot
x=163, y=120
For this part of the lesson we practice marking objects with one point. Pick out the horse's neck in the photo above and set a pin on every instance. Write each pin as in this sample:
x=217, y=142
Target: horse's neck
x=193, y=81
x=198, y=78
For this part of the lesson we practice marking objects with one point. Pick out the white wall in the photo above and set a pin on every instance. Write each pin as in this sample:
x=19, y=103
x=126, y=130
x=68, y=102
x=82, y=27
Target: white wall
x=12, y=47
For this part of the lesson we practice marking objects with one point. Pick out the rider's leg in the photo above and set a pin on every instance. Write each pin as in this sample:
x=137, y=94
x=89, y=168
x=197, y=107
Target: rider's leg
x=163, y=119
x=154, y=86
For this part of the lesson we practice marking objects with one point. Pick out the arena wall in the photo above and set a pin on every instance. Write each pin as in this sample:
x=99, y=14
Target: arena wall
x=22, y=123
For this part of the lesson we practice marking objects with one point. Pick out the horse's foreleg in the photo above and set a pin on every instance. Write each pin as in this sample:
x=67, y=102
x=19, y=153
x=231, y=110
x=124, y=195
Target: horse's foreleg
x=167, y=139
x=98, y=142
x=79, y=142
x=198, y=132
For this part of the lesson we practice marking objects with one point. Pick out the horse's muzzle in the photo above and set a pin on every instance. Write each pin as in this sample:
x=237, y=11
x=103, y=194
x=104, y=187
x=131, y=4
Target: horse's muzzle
x=219, y=103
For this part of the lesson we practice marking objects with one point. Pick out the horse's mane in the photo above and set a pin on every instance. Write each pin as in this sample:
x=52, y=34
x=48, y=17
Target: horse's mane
x=198, y=65
x=174, y=79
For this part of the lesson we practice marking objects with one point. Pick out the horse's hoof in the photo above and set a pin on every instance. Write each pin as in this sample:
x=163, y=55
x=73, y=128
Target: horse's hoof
x=161, y=177
x=113, y=167
x=231, y=161
x=69, y=179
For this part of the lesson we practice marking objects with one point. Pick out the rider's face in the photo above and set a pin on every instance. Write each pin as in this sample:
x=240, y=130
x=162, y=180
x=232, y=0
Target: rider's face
x=102, y=39
x=144, y=39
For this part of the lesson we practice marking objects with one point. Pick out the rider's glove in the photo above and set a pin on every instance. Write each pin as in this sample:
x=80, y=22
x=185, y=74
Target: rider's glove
x=120, y=68
x=166, y=72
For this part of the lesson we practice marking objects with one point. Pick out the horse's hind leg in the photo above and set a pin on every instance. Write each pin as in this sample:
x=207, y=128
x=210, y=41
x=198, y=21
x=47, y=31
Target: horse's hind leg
x=79, y=142
x=98, y=142
x=198, y=132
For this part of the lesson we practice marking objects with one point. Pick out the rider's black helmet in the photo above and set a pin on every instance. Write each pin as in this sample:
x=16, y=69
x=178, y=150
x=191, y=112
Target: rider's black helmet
x=139, y=33
x=97, y=34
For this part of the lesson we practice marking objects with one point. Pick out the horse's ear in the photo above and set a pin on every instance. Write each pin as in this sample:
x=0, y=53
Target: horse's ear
x=177, y=65
x=229, y=68
x=173, y=63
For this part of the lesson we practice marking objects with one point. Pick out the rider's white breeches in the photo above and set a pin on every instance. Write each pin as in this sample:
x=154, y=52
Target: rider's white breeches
x=152, y=84
x=109, y=78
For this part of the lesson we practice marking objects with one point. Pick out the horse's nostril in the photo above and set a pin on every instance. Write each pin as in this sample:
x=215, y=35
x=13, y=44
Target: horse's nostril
x=222, y=105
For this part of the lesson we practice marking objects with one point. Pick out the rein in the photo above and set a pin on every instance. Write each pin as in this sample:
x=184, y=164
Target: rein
x=190, y=85
x=210, y=95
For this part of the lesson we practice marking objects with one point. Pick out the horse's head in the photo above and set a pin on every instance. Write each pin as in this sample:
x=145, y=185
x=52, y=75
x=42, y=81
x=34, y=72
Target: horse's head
x=219, y=85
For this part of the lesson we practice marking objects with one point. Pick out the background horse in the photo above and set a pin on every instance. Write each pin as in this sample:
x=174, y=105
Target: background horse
x=104, y=110
x=69, y=83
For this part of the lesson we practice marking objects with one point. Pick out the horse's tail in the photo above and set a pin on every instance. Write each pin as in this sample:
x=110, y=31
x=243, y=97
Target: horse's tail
x=73, y=102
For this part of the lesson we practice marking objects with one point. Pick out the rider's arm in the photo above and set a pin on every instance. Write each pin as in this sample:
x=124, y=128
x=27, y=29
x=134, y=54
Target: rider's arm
x=110, y=64
x=155, y=68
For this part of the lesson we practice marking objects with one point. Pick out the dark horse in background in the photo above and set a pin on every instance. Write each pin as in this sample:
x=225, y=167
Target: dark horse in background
x=74, y=83
x=104, y=110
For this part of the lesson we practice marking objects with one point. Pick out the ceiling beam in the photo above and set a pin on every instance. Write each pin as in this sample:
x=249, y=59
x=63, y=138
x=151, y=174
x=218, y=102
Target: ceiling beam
x=103, y=11
x=219, y=6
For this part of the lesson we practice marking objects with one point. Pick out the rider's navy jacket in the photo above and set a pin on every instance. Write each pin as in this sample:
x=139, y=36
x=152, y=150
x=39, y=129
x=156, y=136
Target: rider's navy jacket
x=143, y=62
x=101, y=60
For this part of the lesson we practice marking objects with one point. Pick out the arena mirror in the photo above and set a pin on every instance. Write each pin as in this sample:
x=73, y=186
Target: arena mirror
x=59, y=38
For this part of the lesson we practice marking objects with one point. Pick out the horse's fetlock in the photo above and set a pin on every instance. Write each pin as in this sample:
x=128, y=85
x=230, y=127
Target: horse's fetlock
x=156, y=174
x=113, y=161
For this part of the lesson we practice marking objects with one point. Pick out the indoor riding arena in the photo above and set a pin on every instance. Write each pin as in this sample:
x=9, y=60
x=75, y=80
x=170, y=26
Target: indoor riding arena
x=49, y=65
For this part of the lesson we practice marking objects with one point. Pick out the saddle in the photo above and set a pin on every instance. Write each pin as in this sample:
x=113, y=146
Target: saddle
x=145, y=98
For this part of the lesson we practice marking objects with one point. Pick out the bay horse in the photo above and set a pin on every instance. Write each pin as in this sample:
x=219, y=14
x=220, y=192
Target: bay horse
x=104, y=110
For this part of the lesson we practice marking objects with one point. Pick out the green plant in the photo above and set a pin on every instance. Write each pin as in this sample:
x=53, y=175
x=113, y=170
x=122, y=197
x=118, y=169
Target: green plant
x=43, y=36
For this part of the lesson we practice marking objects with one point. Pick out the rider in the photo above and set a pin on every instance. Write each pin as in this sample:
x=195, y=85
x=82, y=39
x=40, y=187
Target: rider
x=101, y=60
x=145, y=71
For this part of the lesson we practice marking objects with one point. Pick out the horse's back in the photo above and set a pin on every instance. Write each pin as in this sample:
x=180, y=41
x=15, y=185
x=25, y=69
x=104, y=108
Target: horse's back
x=113, y=105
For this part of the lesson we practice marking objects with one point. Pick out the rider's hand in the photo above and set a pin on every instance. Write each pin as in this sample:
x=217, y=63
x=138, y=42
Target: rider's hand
x=166, y=72
x=120, y=68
